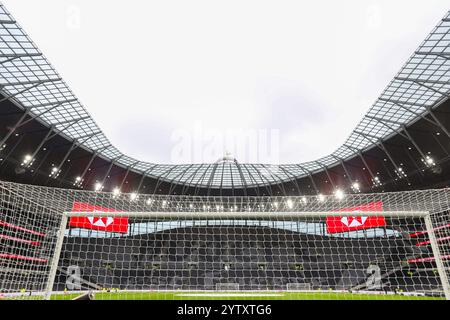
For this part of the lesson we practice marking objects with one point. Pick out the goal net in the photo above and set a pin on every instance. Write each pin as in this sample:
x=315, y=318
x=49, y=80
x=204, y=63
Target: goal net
x=61, y=243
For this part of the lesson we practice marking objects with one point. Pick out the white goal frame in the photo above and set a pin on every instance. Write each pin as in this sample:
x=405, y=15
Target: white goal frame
x=247, y=216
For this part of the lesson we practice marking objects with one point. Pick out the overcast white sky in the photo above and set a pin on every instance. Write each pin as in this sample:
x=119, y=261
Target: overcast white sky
x=150, y=71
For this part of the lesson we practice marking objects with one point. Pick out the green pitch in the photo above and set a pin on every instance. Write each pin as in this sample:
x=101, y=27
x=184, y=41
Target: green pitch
x=267, y=295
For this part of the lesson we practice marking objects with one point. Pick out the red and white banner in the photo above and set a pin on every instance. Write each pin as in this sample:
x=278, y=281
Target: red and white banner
x=428, y=259
x=338, y=224
x=111, y=224
x=419, y=233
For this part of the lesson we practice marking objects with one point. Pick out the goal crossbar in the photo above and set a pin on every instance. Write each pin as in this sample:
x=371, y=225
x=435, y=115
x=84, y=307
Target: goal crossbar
x=245, y=214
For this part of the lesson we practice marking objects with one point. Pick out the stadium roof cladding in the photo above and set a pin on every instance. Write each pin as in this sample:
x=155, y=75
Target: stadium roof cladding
x=32, y=84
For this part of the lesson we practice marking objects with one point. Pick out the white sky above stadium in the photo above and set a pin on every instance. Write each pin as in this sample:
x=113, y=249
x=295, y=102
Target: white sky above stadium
x=185, y=81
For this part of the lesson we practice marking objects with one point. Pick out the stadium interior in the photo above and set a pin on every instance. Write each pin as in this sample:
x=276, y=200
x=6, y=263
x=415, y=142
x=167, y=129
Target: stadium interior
x=53, y=155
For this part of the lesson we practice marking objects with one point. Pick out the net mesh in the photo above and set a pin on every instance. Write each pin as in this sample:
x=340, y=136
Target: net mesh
x=129, y=246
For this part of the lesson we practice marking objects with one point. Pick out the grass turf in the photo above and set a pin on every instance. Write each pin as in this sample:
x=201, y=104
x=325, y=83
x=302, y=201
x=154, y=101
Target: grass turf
x=272, y=295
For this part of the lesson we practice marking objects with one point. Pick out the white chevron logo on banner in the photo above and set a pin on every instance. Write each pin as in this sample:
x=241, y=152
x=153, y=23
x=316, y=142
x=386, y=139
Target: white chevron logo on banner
x=100, y=222
x=353, y=221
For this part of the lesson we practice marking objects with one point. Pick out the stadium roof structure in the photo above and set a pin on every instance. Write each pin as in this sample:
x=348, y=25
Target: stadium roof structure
x=29, y=81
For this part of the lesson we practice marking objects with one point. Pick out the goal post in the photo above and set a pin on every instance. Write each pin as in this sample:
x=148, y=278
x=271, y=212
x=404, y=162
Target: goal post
x=180, y=223
x=56, y=241
x=258, y=215
x=442, y=270
x=56, y=255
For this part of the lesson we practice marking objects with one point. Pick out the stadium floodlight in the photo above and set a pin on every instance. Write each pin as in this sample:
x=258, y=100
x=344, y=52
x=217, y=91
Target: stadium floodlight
x=400, y=172
x=339, y=194
x=376, y=181
x=78, y=181
x=98, y=186
x=304, y=200
x=54, y=172
x=356, y=187
x=429, y=161
x=27, y=160
x=321, y=197
x=133, y=196
x=116, y=192
x=289, y=203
